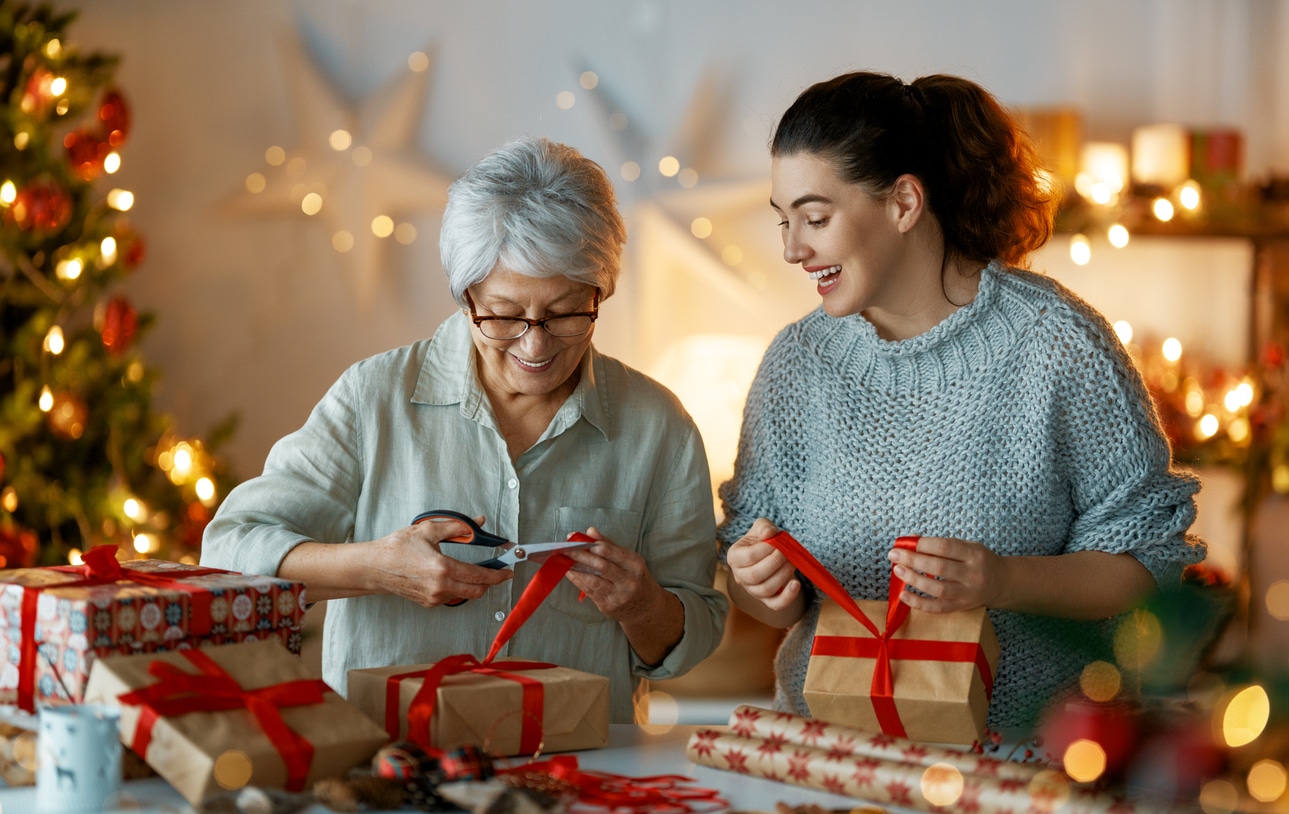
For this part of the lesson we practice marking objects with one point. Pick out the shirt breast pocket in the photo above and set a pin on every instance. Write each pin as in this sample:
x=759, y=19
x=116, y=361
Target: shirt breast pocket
x=622, y=526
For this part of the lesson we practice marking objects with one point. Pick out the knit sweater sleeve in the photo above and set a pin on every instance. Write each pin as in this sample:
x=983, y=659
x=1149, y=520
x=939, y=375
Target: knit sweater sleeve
x=1128, y=497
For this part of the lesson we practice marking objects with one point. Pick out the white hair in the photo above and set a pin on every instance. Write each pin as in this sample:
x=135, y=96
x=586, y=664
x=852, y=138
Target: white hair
x=538, y=208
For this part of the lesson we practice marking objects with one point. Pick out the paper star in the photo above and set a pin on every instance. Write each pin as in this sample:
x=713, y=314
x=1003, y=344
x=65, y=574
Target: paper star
x=377, y=173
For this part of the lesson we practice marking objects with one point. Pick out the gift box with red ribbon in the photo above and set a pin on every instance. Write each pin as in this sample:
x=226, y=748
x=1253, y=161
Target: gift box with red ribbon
x=54, y=622
x=885, y=667
x=507, y=706
x=224, y=717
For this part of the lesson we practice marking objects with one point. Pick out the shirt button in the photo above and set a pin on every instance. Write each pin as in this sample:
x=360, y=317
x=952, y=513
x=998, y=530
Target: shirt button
x=512, y=483
x=499, y=615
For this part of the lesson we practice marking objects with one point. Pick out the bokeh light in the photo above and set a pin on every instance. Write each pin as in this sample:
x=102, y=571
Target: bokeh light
x=1267, y=780
x=1277, y=599
x=1100, y=681
x=233, y=769
x=941, y=784
x=664, y=713
x=1218, y=797
x=1084, y=760
x=1245, y=716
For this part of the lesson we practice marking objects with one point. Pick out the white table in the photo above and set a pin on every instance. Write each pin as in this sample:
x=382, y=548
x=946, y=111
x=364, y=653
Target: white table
x=632, y=751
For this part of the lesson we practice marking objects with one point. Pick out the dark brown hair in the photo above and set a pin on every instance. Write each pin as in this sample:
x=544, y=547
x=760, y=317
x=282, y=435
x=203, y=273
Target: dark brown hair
x=978, y=168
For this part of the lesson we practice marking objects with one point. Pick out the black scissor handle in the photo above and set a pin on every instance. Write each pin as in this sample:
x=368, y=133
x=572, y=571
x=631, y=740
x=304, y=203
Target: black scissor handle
x=477, y=535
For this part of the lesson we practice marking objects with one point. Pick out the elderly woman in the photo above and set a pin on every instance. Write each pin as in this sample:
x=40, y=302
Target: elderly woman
x=507, y=413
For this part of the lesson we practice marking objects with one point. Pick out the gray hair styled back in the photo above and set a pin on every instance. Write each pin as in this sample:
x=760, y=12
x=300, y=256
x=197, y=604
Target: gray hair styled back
x=538, y=208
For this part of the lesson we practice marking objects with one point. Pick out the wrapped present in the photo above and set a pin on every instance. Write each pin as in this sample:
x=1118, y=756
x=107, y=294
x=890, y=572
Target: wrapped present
x=54, y=622
x=509, y=707
x=219, y=718
x=884, y=667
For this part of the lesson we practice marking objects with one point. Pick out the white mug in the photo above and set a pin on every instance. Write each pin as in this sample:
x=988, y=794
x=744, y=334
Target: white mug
x=79, y=766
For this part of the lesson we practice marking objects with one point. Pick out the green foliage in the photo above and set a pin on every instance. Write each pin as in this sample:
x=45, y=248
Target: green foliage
x=79, y=436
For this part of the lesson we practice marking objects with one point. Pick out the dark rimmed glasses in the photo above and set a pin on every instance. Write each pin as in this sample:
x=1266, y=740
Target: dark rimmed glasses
x=562, y=326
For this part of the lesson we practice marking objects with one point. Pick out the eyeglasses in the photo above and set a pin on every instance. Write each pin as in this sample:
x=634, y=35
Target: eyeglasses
x=564, y=326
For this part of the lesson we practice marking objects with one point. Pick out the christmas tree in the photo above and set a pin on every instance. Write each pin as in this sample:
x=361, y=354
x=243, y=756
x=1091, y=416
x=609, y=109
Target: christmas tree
x=85, y=459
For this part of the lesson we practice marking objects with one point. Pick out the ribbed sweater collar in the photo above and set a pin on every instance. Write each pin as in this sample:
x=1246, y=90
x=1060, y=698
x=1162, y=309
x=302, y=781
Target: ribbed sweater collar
x=964, y=344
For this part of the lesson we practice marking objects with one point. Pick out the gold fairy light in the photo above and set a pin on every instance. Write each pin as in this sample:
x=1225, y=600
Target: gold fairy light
x=8, y=193
x=311, y=204
x=1171, y=349
x=46, y=400
x=668, y=166
x=1245, y=716
x=1118, y=235
x=58, y=86
x=69, y=269
x=1219, y=797
x=1123, y=330
x=1163, y=209
x=112, y=162
x=121, y=200
x=1267, y=781
x=75, y=557
x=107, y=250
x=233, y=769
x=382, y=226
x=1084, y=760
x=1080, y=250
x=145, y=543
x=701, y=228
x=340, y=140
x=1207, y=427
x=133, y=509
x=1188, y=195
x=664, y=712
x=54, y=340
x=1100, y=681
x=9, y=499
x=205, y=490
x=1277, y=599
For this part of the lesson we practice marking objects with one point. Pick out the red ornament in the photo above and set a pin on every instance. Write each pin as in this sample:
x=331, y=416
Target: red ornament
x=115, y=117
x=120, y=323
x=129, y=246
x=1111, y=725
x=86, y=152
x=37, y=95
x=42, y=206
x=18, y=547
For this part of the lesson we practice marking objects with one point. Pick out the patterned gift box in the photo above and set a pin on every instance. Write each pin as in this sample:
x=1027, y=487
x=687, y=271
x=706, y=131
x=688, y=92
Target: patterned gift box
x=64, y=618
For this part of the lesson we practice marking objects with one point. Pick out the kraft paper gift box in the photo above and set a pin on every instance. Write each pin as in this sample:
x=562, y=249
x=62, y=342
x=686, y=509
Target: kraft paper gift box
x=512, y=707
x=222, y=717
x=885, y=667
x=941, y=666
x=54, y=622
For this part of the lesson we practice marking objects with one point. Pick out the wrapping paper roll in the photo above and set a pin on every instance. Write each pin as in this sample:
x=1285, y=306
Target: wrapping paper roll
x=845, y=741
x=935, y=788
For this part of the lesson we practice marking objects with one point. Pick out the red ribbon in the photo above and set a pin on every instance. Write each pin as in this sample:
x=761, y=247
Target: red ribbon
x=421, y=710
x=100, y=567
x=657, y=794
x=882, y=647
x=178, y=692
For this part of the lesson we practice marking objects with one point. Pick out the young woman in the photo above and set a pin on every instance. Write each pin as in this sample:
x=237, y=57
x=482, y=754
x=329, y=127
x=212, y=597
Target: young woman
x=941, y=390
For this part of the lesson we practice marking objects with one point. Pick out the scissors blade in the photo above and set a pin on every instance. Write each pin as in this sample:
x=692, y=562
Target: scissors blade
x=535, y=552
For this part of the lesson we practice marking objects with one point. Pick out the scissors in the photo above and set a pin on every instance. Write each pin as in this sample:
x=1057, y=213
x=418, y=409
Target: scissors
x=514, y=553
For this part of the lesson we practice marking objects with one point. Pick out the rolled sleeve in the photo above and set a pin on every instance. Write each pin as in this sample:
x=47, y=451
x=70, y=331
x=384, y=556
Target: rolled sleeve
x=307, y=492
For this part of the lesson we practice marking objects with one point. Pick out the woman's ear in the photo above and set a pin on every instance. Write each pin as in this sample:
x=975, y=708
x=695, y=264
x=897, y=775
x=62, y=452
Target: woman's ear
x=908, y=201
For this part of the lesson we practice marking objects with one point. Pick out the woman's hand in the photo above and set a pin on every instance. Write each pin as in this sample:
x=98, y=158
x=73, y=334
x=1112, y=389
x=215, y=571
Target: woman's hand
x=618, y=581
x=761, y=570
x=408, y=563
x=955, y=575
x=762, y=581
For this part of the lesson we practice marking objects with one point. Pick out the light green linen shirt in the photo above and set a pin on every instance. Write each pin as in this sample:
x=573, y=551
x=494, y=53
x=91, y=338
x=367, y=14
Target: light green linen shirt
x=411, y=430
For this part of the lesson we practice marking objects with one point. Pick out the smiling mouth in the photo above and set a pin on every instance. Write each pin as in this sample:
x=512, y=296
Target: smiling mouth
x=533, y=366
x=827, y=271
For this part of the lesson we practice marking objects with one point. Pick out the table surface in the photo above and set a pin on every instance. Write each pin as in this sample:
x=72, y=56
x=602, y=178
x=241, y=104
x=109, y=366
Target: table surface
x=635, y=751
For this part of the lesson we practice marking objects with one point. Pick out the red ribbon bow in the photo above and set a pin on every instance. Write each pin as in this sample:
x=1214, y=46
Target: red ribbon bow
x=100, y=567
x=178, y=692
x=421, y=711
x=882, y=647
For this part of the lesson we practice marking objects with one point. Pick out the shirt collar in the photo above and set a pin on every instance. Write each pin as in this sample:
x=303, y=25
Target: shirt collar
x=449, y=376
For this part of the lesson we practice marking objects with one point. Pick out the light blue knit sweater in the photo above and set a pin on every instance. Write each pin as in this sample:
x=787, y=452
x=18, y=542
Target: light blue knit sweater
x=1019, y=422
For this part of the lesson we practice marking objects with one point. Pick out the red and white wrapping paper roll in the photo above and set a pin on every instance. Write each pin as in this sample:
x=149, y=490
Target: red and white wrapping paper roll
x=845, y=741
x=935, y=788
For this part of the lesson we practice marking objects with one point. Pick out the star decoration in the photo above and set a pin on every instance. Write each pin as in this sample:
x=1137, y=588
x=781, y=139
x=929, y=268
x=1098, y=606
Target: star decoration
x=374, y=172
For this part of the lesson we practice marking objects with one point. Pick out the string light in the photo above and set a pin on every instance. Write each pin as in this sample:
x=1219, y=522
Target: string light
x=46, y=401
x=9, y=499
x=1080, y=250
x=1163, y=209
x=112, y=162
x=701, y=228
x=1084, y=761
x=205, y=490
x=1188, y=195
x=1266, y=781
x=340, y=140
x=311, y=203
x=1245, y=716
x=8, y=193
x=120, y=199
x=54, y=340
x=133, y=509
x=382, y=226
x=1118, y=235
x=1172, y=349
x=107, y=250
x=69, y=269
x=668, y=166
x=1123, y=329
